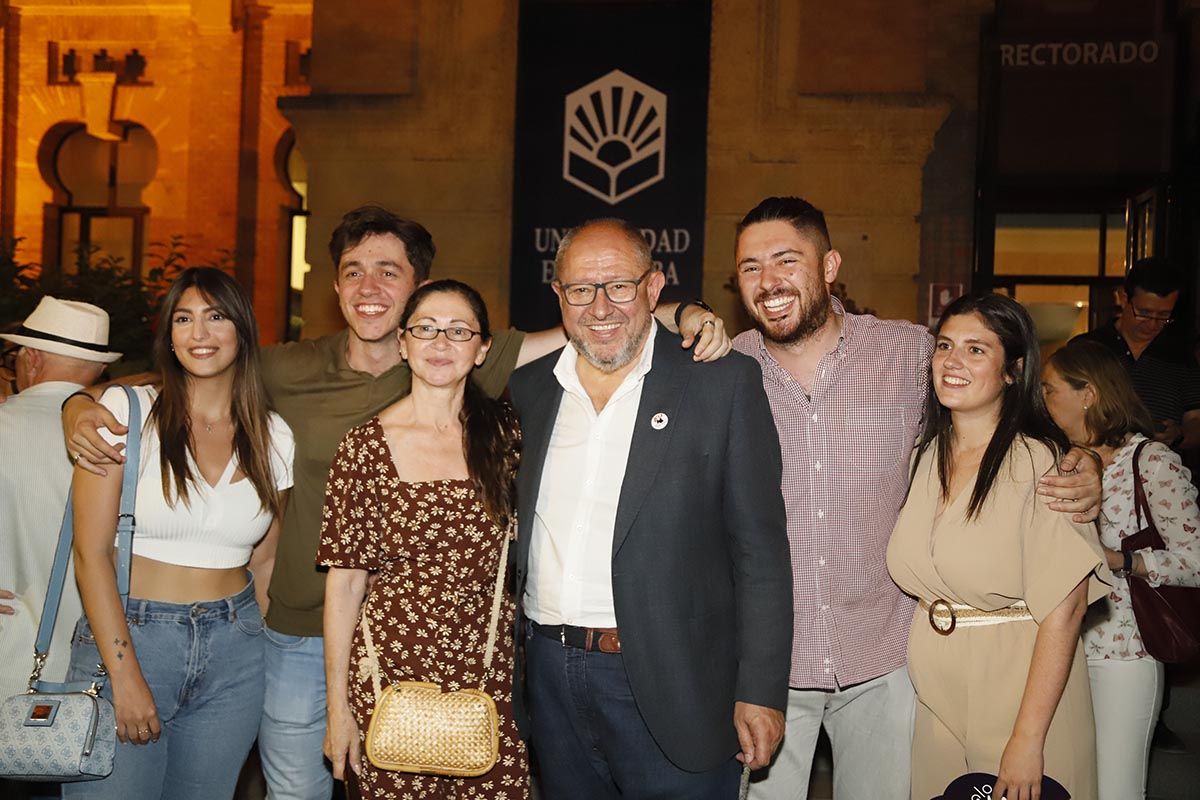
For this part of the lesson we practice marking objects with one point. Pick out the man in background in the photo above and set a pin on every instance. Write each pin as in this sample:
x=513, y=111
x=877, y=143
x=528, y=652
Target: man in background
x=1158, y=359
x=61, y=348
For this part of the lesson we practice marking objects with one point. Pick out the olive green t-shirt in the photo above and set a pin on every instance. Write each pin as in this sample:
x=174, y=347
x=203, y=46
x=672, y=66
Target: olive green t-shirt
x=321, y=398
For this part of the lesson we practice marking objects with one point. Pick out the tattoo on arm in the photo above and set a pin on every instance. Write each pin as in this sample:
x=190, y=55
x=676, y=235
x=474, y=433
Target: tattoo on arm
x=121, y=643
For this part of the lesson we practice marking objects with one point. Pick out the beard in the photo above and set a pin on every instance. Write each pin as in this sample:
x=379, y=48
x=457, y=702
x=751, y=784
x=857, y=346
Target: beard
x=624, y=354
x=813, y=312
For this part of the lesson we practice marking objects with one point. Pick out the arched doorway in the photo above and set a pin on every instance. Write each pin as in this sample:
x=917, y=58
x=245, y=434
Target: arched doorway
x=97, y=214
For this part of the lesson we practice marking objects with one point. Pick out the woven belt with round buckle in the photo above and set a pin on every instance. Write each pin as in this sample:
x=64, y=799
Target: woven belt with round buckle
x=933, y=618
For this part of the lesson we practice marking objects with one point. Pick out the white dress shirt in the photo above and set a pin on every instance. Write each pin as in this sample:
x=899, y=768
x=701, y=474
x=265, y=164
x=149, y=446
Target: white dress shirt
x=570, y=554
x=35, y=476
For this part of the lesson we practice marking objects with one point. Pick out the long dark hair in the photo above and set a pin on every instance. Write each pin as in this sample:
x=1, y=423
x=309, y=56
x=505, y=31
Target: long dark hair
x=249, y=407
x=491, y=435
x=1022, y=408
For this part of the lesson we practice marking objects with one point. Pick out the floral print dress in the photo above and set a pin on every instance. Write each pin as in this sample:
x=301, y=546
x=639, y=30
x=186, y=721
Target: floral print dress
x=435, y=554
x=1110, y=630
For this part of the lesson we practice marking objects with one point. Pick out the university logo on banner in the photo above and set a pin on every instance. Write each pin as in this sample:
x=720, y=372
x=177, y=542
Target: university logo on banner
x=615, y=137
x=612, y=120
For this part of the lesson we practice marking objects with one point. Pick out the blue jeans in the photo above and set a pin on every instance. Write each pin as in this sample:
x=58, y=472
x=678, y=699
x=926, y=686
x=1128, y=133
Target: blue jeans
x=292, y=733
x=589, y=739
x=203, y=663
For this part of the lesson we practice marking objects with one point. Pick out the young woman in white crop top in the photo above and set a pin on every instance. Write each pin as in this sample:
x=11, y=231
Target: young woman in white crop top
x=185, y=660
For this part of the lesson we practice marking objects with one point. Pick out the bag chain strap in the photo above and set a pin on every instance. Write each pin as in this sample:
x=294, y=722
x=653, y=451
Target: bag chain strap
x=373, y=655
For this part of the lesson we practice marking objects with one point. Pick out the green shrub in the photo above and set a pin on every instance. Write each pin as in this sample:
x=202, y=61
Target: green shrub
x=105, y=281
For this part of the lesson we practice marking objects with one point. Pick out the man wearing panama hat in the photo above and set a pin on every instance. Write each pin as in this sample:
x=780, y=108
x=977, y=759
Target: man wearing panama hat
x=76, y=331
x=61, y=348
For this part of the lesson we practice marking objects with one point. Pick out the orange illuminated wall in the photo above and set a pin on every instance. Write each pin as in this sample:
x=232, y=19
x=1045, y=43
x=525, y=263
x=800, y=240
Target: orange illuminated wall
x=202, y=78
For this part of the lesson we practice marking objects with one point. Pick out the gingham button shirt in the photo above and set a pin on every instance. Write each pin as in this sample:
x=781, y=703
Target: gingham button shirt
x=846, y=448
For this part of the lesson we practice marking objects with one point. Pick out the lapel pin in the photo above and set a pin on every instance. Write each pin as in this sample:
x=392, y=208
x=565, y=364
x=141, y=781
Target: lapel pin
x=658, y=421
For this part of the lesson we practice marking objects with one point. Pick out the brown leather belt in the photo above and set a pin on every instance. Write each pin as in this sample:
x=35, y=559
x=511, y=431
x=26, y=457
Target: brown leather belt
x=605, y=640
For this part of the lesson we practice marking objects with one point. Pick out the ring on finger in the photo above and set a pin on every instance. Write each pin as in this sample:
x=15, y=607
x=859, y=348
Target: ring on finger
x=708, y=322
x=75, y=458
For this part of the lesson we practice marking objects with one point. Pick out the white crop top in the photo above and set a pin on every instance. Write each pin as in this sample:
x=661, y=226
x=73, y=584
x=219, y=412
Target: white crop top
x=220, y=525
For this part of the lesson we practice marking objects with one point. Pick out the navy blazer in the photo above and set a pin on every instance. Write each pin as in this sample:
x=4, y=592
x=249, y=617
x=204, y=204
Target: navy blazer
x=701, y=569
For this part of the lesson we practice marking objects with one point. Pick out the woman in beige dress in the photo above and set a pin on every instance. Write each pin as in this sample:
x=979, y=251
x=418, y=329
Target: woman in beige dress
x=1003, y=581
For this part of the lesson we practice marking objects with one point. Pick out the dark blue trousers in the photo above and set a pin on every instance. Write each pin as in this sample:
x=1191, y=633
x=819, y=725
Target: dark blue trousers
x=589, y=739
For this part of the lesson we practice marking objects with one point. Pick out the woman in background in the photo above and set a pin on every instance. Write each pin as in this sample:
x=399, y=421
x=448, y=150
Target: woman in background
x=1003, y=581
x=185, y=659
x=1089, y=394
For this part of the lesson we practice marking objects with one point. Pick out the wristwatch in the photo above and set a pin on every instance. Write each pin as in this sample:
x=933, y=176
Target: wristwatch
x=1126, y=562
x=72, y=396
x=693, y=302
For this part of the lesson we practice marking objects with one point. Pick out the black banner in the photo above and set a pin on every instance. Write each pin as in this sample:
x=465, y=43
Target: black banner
x=612, y=116
x=1084, y=93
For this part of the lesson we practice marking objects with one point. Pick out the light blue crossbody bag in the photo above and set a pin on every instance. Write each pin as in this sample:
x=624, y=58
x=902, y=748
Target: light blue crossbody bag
x=66, y=731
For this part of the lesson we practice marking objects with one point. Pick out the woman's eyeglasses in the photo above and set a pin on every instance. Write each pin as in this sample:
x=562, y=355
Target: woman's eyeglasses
x=454, y=333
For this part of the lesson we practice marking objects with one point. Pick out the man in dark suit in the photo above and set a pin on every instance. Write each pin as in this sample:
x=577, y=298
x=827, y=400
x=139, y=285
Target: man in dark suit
x=652, y=558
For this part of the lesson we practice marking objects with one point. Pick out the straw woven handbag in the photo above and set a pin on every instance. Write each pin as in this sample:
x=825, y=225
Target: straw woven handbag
x=419, y=728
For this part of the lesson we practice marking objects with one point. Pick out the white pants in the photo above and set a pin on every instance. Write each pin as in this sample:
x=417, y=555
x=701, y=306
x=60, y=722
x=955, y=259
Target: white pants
x=1126, y=698
x=870, y=726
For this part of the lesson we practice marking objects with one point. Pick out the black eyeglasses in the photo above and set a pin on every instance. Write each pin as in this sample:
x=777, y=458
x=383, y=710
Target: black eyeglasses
x=1162, y=319
x=456, y=333
x=623, y=290
x=8, y=357
x=8, y=366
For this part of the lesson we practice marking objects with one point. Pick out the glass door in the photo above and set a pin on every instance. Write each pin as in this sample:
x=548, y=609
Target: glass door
x=1063, y=267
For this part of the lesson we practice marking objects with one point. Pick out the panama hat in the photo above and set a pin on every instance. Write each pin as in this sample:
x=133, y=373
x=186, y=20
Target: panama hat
x=67, y=328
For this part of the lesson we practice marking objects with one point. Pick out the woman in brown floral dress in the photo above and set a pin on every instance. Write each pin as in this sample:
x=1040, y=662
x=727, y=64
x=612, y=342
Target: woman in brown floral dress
x=420, y=496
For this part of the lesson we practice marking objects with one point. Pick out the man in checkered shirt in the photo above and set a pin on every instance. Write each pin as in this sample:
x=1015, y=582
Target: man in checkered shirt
x=848, y=393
